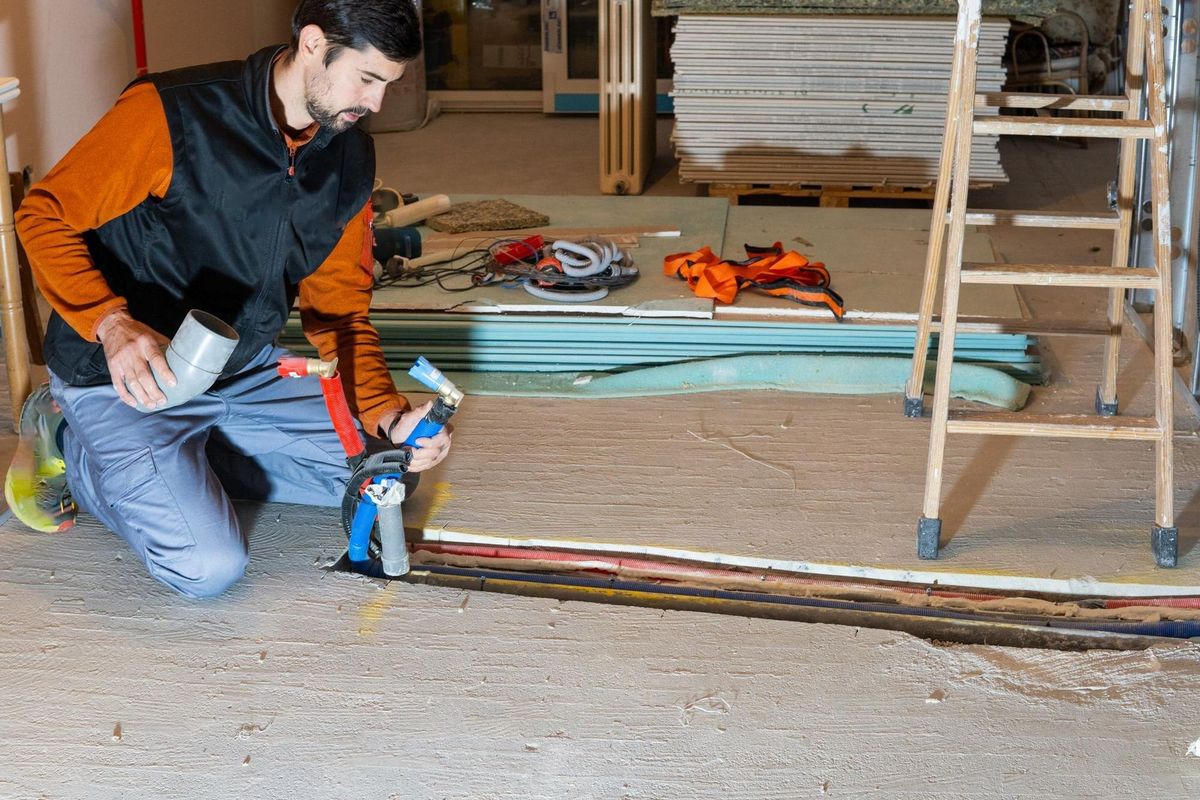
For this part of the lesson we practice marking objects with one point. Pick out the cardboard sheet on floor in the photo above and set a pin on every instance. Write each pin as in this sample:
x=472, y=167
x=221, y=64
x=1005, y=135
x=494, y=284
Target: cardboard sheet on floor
x=821, y=485
x=700, y=220
x=876, y=257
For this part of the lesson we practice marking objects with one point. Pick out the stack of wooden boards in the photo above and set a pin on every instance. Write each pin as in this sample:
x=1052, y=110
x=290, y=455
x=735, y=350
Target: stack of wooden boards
x=842, y=100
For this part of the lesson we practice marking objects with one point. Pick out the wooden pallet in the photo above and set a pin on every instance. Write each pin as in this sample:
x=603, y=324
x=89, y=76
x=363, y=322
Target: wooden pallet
x=829, y=195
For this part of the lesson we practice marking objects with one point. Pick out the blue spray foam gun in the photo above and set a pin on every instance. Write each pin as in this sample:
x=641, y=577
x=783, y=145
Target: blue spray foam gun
x=448, y=399
x=376, y=489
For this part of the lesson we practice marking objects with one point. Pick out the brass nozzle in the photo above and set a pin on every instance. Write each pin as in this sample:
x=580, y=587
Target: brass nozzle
x=450, y=393
x=325, y=369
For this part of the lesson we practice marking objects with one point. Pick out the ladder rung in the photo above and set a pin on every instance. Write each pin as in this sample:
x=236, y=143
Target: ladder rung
x=1054, y=101
x=1048, y=275
x=1074, y=426
x=1041, y=219
x=1067, y=126
x=1043, y=327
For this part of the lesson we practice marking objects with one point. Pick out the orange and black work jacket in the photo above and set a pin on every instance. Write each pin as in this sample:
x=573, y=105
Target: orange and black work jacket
x=188, y=195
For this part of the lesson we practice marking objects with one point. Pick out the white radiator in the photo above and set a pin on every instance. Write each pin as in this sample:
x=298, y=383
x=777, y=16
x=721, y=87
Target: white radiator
x=627, y=95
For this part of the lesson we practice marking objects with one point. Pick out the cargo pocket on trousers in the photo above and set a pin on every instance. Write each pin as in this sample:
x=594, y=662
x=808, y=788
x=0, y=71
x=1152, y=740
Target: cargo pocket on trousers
x=146, y=508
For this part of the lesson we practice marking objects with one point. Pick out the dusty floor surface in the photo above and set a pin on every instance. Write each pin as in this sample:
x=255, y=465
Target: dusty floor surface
x=834, y=485
x=302, y=683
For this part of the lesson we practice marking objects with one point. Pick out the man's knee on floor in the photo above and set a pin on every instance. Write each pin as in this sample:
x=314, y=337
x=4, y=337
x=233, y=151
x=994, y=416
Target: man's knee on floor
x=205, y=573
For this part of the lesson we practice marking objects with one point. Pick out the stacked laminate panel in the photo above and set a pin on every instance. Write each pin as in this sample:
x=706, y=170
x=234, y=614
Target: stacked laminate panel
x=565, y=343
x=822, y=100
x=1026, y=10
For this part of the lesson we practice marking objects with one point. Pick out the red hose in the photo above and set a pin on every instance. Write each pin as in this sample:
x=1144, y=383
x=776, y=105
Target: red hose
x=339, y=413
x=139, y=38
x=1166, y=602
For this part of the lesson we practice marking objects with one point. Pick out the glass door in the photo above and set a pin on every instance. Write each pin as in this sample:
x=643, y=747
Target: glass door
x=571, y=57
x=483, y=52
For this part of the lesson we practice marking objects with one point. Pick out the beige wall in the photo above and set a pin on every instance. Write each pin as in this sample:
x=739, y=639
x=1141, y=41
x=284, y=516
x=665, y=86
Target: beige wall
x=72, y=57
x=180, y=33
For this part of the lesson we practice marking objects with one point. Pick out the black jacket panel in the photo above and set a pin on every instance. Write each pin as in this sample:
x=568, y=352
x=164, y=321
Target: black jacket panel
x=235, y=232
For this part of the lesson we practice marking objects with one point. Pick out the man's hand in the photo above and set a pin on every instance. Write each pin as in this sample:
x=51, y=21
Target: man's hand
x=429, y=452
x=131, y=349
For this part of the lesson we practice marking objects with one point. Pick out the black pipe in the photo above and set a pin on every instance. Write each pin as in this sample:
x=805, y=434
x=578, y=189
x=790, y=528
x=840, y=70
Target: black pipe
x=927, y=623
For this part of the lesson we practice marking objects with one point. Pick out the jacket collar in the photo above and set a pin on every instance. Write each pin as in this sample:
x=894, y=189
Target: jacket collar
x=258, y=91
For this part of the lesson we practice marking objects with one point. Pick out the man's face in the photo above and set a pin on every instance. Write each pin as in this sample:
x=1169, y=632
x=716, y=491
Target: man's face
x=350, y=87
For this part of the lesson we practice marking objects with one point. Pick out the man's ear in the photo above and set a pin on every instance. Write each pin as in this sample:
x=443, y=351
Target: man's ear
x=311, y=43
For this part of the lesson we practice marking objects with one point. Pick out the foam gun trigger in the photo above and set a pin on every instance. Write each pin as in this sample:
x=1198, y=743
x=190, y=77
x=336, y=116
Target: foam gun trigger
x=448, y=398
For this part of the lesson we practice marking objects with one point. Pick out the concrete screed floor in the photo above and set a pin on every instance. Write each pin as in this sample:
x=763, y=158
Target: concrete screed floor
x=308, y=684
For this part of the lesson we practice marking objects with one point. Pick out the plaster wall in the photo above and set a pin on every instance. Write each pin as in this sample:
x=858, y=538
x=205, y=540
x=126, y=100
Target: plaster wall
x=72, y=57
x=180, y=33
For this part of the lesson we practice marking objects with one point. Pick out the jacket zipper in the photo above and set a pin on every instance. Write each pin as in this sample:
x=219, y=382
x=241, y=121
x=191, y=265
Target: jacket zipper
x=276, y=274
x=277, y=264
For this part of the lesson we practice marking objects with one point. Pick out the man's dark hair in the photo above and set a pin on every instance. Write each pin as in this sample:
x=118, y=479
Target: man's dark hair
x=390, y=26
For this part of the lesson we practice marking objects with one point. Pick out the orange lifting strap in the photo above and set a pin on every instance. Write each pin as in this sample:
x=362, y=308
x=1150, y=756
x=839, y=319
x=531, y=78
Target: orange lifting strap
x=767, y=269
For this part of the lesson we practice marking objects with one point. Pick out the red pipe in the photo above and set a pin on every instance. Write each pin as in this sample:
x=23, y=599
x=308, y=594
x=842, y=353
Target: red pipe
x=139, y=38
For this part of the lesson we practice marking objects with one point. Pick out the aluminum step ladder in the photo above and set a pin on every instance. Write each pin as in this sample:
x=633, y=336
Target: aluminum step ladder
x=1144, y=66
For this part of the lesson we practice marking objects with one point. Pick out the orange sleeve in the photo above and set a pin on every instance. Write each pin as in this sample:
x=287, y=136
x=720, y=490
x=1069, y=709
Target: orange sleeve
x=334, y=311
x=120, y=162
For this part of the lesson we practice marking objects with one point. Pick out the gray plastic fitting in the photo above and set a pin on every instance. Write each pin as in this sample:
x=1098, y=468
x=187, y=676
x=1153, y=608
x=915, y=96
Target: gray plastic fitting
x=387, y=497
x=393, y=548
x=201, y=348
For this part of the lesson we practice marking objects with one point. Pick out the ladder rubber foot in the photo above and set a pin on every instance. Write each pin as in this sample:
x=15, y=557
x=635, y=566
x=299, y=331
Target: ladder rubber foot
x=1165, y=542
x=929, y=535
x=914, y=407
x=1106, y=409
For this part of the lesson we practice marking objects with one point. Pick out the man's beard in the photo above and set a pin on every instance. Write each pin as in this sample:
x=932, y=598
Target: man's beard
x=327, y=117
x=333, y=119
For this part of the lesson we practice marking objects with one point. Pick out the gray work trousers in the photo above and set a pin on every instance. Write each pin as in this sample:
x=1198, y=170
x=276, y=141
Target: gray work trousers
x=164, y=480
